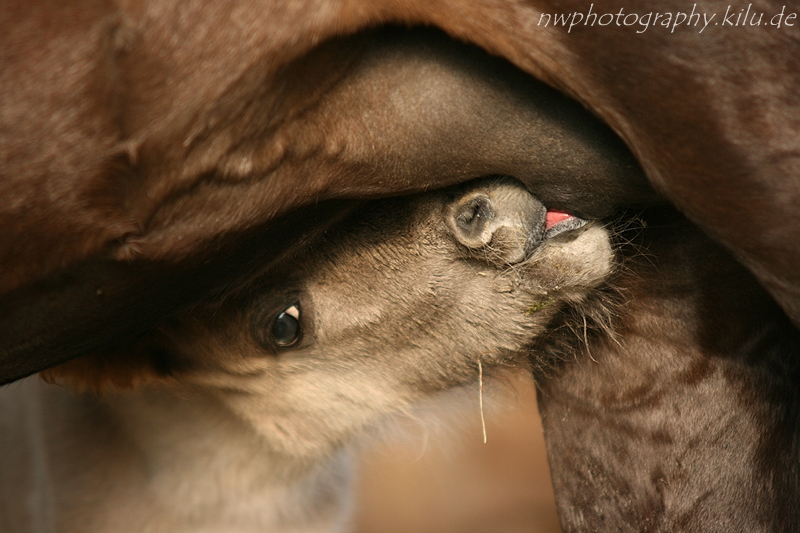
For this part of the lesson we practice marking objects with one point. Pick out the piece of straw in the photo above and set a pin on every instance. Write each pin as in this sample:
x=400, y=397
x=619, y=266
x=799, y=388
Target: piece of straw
x=480, y=397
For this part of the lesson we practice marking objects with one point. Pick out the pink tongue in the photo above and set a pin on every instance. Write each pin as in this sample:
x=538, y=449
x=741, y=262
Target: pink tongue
x=554, y=217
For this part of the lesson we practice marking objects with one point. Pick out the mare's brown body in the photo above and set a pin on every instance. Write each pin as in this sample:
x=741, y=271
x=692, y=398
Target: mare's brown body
x=381, y=113
x=149, y=130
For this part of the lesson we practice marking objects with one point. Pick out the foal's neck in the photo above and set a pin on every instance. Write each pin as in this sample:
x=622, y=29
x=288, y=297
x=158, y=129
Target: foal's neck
x=165, y=461
x=211, y=467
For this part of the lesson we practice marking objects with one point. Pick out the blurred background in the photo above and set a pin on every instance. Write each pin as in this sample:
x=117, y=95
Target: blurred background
x=453, y=483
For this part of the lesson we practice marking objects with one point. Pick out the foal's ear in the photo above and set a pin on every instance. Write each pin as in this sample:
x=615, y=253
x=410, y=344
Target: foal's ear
x=124, y=368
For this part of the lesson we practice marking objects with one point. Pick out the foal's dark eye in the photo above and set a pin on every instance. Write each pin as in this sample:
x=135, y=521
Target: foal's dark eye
x=286, y=328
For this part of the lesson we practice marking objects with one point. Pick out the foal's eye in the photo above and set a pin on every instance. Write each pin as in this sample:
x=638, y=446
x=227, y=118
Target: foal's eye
x=286, y=327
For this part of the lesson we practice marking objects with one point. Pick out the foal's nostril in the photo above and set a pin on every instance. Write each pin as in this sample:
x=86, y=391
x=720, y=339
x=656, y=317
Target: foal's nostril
x=472, y=219
x=499, y=220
